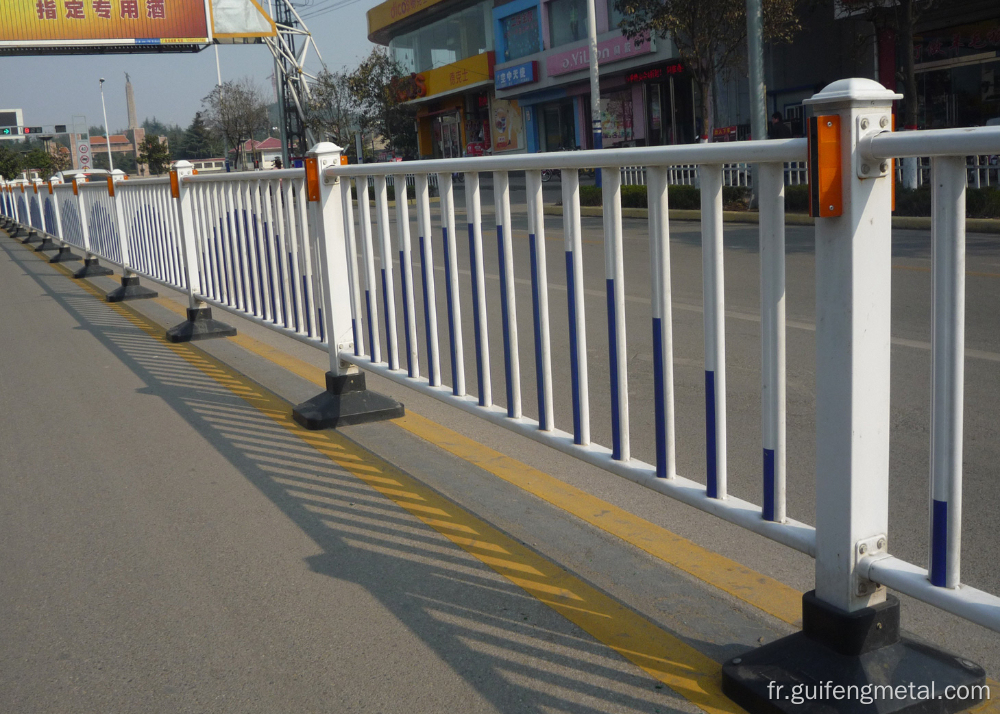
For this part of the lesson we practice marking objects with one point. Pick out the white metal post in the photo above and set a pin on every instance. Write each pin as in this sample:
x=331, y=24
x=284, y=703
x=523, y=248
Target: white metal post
x=663, y=350
x=189, y=243
x=948, y=176
x=56, y=211
x=333, y=260
x=853, y=276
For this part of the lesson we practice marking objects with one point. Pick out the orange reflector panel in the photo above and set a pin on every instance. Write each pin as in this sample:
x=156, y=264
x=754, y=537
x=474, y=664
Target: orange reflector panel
x=76, y=190
x=312, y=179
x=175, y=185
x=892, y=171
x=343, y=159
x=50, y=187
x=111, y=186
x=825, y=174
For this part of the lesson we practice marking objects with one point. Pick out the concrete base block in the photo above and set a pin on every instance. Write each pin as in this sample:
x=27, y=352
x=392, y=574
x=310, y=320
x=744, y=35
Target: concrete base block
x=130, y=290
x=199, y=326
x=849, y=662
x=64, y=255
x=92, y=269
x=346, y=401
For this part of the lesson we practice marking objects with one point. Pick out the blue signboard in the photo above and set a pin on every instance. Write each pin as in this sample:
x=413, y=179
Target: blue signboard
x=524, y=73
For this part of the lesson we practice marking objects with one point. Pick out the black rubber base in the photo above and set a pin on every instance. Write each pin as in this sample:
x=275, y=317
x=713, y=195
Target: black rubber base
x=199, y=326
x=64, y=255
x=130, y=290
x=92, y=268
x=46, y=244
x=854, y=663
x=346, y=401
x=26, y=235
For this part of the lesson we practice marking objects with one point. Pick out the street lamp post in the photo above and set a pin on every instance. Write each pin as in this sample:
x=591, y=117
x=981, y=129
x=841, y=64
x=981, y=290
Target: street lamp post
x=595, y=88
x=107, y=132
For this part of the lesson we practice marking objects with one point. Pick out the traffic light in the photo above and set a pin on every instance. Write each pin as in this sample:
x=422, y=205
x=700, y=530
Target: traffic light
x=60, y=128
x=6, y=131
x=32, y=130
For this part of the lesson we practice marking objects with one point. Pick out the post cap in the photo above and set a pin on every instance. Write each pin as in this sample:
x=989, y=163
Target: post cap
x=852, y=91
x=182, y=164
x=324, y=147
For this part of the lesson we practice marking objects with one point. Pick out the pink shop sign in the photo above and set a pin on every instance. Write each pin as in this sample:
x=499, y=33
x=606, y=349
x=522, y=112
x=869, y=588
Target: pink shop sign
x=613, y=50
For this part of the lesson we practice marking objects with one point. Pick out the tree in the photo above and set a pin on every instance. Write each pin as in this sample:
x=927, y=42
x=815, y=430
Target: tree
x=198, y=142
x=154, y=154
x=709, y=34
x=10, y=163
x=330, y=112
x=375, y=89
x=235, y=111
x=38, y=158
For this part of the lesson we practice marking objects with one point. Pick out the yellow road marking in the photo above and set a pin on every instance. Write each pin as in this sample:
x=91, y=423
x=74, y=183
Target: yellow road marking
x=667, y=658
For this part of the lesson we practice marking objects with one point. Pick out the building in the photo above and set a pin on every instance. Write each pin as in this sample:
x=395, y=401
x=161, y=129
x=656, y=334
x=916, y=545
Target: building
x=264, y=154
x=543, y=80
x=447, y=49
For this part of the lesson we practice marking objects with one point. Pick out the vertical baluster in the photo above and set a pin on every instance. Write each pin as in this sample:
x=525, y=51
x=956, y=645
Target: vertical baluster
x=357, y=319
x=367, y=251
x=540, y=300
x=508, y=304
x=663, y=346
x=615, y=276
x=772, y=328
x=309, y=308
x=715, y=329
x=427, y=275
x=473, y=210
x=385, y=255
x=577, y=313
x=451, y=284
x=406, y=275
x=948, y=191
x=295, y=240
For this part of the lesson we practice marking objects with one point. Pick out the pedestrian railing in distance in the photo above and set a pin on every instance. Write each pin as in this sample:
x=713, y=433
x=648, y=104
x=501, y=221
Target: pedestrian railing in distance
x=68, y=217
x=251, y=233
x=152, y=228
x=738, y=174
x=983, y=170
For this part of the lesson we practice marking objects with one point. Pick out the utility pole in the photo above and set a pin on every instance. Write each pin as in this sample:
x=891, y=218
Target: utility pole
x=595, y=85
x=758, y=92
x=107, y=131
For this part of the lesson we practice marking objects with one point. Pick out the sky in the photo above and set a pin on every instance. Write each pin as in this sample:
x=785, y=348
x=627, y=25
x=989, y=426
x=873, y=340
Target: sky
x=169, y=87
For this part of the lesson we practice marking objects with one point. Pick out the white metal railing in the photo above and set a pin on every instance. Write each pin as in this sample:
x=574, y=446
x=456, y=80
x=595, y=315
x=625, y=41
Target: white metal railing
x=982, y=170
x=735, y=174
x=304, y=259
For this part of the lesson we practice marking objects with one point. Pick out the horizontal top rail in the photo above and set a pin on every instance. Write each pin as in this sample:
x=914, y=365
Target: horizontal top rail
x=155, y=181
x=245, y=175
x=937, y=142
x=772, y=151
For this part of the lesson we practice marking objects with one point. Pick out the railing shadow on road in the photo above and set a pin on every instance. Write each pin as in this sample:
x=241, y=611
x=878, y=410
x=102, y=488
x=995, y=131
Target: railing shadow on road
x=523, y=658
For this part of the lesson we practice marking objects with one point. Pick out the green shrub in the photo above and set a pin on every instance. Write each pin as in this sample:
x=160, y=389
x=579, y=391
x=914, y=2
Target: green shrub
x=797, y=199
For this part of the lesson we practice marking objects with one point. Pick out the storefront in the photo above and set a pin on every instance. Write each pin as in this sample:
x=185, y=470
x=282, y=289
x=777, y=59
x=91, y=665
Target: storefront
x=958, y=76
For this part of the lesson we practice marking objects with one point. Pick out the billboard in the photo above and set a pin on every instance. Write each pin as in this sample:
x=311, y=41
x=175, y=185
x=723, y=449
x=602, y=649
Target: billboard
x=41, y=23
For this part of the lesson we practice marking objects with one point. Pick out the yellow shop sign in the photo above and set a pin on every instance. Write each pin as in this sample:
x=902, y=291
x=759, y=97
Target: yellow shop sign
x=472, y=70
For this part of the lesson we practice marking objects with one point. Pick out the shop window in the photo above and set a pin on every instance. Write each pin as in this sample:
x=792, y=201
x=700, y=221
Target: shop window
x=616, y=118
x=440, y=43
x=567, y=21
x=614, y=16
x=520, y=34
